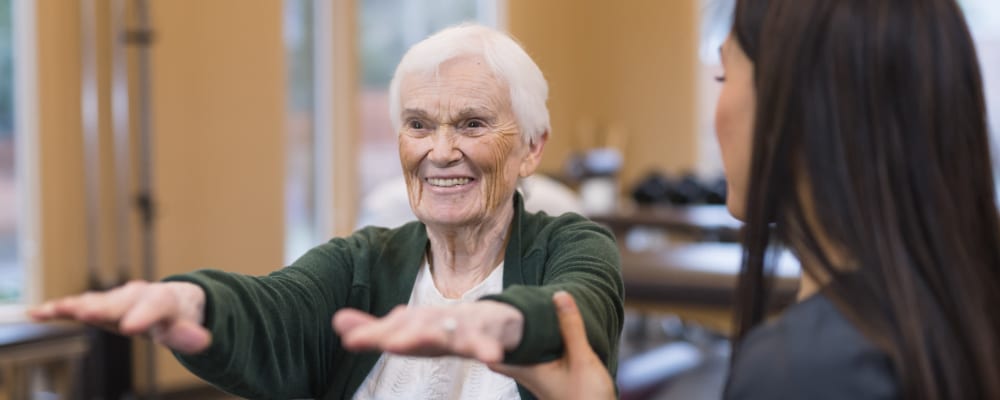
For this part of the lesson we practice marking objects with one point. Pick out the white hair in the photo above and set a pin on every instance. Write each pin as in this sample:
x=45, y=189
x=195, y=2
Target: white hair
x=508, y=60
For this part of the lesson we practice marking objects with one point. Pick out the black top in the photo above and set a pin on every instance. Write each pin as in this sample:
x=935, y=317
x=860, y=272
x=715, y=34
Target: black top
x=810, y=352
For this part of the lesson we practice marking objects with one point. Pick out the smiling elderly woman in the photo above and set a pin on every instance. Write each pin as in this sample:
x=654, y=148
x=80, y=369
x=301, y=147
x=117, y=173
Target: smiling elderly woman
x=473, y=278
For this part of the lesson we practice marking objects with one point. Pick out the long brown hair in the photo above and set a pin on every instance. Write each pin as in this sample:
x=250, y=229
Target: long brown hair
x=877, y=108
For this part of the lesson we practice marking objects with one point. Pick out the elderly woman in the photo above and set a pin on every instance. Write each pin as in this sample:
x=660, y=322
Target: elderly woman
x=473, y=278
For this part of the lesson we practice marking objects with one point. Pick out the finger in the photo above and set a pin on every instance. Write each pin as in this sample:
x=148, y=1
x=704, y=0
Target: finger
x=72, y=307
x=370, y=335
x=108, y=307
x=66, y=307
x=154, y=306
x=186, y=337
x=425, y=333
x=571, y=325
x=481, y=347
x=87, y=307
x=489, y=352
x=90, y=308
x=54, y=309
x=417, y=339
x=346, y=320
x=516, y=372
x=534, y=377
x=43, y=312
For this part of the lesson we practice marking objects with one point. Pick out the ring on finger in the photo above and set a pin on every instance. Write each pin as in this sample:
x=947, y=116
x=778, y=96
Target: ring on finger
x=449, y=325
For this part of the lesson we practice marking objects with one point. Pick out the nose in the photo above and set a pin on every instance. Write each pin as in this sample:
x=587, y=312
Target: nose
x=444, y=151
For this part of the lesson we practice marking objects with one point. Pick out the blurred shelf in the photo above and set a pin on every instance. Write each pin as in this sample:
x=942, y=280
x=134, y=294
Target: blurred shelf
x=702, y=222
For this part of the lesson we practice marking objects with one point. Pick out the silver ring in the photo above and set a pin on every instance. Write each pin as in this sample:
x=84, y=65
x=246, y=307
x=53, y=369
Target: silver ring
x=449, y=325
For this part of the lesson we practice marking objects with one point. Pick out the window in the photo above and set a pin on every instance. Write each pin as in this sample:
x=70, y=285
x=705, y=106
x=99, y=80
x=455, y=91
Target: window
x=716, y=20
x=387, y=28
x=18, y=180
x=302, y=224
x=982, y=16
x=715, y=23
x=12, y=279
x=308, y=157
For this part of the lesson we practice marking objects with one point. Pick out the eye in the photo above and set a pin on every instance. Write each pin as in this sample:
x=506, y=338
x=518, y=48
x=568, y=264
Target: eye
x=414, y=124
x=475, y=124
x=720, y=78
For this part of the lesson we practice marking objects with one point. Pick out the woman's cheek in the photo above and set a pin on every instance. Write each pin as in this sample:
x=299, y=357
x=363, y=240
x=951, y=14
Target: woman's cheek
x=409, y=153
x=409, y=158
x=495, y=168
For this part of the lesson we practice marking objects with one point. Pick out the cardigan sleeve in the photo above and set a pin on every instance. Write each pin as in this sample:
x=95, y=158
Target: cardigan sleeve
x=272, y=335
x=581, y=258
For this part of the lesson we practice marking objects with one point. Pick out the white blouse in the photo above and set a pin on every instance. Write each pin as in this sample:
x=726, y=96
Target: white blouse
x=404, y=377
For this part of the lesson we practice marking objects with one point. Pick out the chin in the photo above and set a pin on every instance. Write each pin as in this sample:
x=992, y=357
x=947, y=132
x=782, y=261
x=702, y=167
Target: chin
x=736, y=209
x=444, y=219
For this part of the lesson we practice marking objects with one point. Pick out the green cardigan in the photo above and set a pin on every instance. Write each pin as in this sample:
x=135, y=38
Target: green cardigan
x=272, y=336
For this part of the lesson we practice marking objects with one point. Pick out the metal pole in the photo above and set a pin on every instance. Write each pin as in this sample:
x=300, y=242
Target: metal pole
x=111, y=360
x=90, y=114
x=122, y=138
x=142, y=37
x=120, y=117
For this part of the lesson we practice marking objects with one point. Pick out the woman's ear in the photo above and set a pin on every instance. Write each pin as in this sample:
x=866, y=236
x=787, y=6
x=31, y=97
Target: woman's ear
x=534, y=156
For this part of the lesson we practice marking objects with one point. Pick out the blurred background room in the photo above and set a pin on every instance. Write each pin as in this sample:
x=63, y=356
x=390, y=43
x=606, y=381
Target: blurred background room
x=144, y=138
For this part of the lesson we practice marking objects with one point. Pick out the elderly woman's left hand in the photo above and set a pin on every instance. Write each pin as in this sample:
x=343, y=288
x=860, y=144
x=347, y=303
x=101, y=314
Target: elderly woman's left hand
x=482, y=330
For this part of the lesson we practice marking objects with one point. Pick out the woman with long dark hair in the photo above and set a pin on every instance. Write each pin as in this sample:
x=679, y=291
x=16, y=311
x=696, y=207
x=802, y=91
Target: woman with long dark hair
x=854, y=133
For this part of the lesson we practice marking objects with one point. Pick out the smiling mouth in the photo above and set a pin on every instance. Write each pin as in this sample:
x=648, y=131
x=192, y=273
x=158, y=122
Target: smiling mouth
x=448, y=182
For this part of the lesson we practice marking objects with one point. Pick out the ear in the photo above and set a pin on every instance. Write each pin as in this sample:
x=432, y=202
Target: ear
x=534, y=156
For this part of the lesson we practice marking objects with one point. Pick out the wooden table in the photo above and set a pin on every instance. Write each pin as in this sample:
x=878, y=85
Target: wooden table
x=56, y=348
x=702, y=274
x=684, y=261
x=701, y=222
x=696, y=281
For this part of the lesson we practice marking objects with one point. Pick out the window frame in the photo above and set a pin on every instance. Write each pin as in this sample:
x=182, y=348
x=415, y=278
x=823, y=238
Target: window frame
x=26, y=159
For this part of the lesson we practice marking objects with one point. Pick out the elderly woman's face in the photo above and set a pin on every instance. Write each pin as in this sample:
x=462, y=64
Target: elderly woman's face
x=460, y=146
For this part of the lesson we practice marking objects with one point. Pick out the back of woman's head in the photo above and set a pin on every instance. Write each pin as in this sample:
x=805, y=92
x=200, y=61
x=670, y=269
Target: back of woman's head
x=870, y=138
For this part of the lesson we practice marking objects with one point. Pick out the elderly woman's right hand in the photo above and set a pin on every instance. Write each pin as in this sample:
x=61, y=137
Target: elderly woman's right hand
x=170, y=313
x=481, y=330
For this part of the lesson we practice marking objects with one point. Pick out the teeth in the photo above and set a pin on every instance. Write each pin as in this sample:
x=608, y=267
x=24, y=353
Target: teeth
x=448, y=182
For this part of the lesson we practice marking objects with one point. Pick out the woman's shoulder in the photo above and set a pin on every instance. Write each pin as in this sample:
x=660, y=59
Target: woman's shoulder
x=567, y=229
x=811, y=351
x=543, y=222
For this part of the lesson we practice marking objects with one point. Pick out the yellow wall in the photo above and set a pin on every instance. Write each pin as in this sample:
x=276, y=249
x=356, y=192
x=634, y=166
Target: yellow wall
x=62, y=250
x=218, y=107
x=630, y=64
x=345, y=114
x=552, y=32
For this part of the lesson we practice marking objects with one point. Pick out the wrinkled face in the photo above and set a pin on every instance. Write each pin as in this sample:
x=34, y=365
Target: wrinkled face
x=460, y=146
x=734, y=120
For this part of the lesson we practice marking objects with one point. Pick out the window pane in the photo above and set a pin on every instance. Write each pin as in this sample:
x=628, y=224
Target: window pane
x=982, y=16
x=11, y=274
x=716, y=21
x=387, y=28
x=300, y=161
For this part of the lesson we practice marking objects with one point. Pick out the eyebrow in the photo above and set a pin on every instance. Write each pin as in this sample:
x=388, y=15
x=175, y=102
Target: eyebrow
x=480, y=112
x=415, y=112
x=467, y=112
